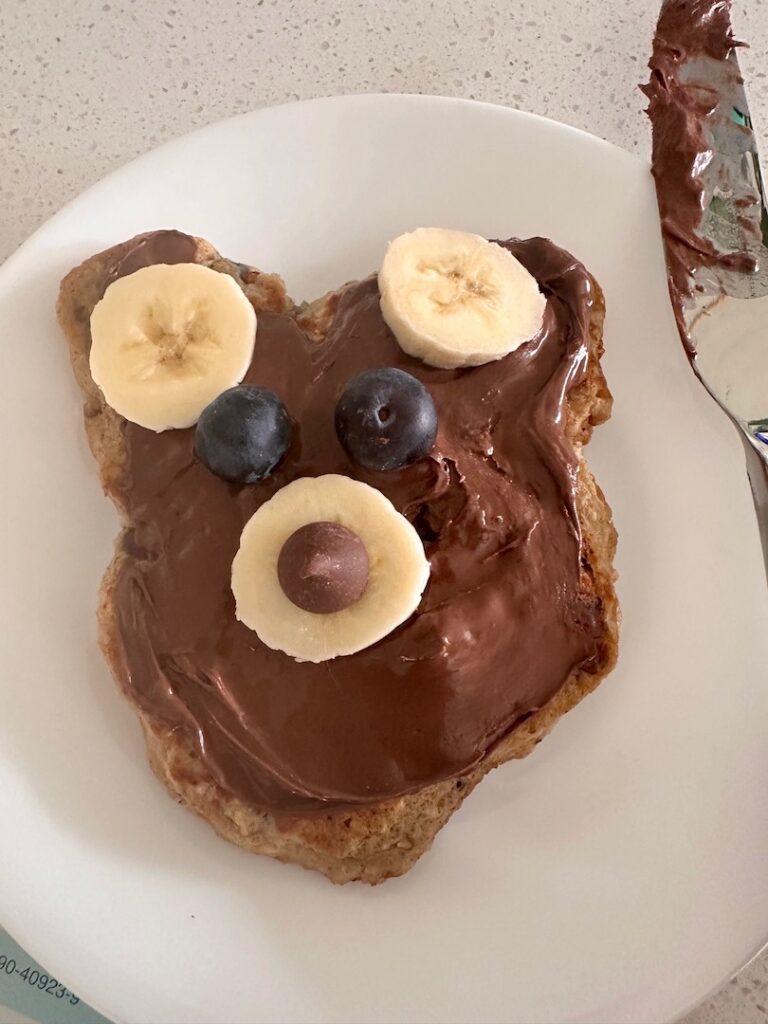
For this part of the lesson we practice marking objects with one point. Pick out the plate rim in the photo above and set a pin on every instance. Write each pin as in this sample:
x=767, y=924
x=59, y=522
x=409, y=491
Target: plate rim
x=438, y=99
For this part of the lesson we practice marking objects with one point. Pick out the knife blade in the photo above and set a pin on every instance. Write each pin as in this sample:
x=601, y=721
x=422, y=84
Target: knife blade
x=714, y=217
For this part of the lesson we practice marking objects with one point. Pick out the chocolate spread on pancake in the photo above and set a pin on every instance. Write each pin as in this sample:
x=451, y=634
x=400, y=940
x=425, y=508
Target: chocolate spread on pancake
x=503, y=621
x=158, y=247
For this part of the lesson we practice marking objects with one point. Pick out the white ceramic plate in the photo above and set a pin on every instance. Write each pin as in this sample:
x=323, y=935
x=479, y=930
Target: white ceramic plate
x=619, y=873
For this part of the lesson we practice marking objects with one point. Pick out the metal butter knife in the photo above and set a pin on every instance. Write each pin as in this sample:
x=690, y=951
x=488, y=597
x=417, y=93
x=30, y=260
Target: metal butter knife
x=714, y=217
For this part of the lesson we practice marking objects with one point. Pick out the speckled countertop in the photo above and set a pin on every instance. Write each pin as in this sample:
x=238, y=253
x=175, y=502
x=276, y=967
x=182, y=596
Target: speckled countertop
x=88, y=84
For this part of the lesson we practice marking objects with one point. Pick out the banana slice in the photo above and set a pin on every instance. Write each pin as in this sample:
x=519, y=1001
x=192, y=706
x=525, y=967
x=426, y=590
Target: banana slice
x=397, y=569
x=454, y=299
x=167, y=340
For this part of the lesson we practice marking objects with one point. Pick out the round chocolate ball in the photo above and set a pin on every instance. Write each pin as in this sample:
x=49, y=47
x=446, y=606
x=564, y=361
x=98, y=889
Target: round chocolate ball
x=323, y=568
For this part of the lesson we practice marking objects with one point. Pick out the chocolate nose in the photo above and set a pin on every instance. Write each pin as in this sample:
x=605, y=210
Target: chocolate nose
x=323, y=567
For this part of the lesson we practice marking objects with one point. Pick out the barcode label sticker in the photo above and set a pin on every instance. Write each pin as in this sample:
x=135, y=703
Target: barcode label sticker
x=32, y=991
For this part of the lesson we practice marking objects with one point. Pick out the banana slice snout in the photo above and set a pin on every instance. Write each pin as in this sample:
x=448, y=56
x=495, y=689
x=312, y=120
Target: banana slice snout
x=167, y=340
x=455, y=299
x=327, y=567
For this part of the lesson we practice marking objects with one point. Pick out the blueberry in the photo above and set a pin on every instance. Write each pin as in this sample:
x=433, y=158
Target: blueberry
x=243, y=434
x=386, y=419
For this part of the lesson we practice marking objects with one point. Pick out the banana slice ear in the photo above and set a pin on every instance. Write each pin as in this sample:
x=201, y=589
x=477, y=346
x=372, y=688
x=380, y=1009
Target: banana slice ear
x=167, y=340
x=455, y=299
x=397, y=569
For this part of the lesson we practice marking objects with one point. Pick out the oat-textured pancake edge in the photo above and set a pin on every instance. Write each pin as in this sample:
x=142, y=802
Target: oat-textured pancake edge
x=384, y=839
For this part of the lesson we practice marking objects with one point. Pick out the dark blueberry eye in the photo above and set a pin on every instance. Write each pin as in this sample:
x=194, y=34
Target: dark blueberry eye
x=386, y=419
x=243, y=434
